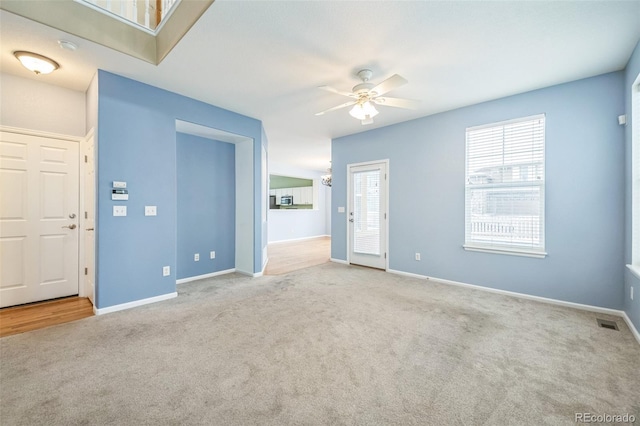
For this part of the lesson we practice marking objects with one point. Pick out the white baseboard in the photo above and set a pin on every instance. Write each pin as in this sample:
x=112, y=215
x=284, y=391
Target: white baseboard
x=632, y=327
x=203, y=276
x=590, y=308
x=249, y=274
x=134, y=304
x=344, y=262
x=300, y=239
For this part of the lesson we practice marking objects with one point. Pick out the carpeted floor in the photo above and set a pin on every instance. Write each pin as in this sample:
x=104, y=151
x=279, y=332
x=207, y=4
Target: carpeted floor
x=330, y=344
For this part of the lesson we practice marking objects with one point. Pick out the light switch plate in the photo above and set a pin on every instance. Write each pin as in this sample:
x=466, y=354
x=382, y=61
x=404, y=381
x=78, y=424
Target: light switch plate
x=166, y=271
x=150, y=210
x=212, y=255
x=117, y=184
x=119, y=210
x=340, y=209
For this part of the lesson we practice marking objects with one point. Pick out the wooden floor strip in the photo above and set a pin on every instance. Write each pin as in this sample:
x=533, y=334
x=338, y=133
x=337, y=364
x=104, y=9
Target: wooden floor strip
x=20, y=319
x=287, y=257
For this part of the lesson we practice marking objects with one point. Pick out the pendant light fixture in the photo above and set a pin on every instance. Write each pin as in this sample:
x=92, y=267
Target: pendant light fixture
x=37, y=63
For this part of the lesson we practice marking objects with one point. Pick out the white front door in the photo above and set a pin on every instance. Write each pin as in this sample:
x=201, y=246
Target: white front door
x=38, y=218
x=368, y=215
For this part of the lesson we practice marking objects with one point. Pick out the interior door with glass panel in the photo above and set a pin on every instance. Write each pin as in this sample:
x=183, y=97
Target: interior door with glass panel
x=368, y=215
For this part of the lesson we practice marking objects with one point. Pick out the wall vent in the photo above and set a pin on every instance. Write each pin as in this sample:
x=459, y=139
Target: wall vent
x=607, y=324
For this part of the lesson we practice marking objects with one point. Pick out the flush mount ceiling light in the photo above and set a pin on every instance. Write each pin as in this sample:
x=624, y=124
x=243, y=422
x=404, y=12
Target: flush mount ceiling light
x=36, y=63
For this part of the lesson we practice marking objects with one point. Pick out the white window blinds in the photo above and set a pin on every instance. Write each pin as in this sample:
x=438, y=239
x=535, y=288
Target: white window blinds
x=504, y=192
x=366, y=212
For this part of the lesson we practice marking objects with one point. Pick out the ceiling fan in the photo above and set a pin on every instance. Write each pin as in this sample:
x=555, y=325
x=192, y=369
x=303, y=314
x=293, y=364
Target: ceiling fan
x=366, y=94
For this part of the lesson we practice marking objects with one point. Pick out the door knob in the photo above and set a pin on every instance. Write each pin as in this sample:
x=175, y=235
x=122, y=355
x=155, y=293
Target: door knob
x=72, y=226
x=351, y=220
x=72, y=216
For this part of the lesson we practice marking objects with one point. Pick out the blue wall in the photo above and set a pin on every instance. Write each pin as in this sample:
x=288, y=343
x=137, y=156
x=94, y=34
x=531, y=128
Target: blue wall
x=584, y=193
x=631, y=307
x=206, y=205
x=137, y=144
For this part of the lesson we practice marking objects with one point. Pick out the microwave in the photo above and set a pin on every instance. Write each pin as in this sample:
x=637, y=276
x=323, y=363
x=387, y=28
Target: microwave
x=286, y=200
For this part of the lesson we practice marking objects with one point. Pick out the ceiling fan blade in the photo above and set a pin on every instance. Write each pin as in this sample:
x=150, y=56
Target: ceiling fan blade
x=344, y=105
x=397, y=102
x=389, y=84
x=339, y=92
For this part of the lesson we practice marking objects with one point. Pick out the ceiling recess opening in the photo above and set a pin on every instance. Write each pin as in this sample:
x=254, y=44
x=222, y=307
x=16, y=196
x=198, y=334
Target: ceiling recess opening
x=147, y=15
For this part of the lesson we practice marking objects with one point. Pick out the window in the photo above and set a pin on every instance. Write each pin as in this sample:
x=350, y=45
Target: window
x=635, y=178
x=504, y=191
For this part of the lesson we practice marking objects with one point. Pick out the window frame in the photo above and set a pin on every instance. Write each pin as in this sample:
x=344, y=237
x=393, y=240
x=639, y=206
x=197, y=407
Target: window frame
x=507, y=249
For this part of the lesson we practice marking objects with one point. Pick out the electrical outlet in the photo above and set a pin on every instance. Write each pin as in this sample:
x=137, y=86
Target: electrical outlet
x=631, y=293
x=196, y=257
x=212, y=255
x=119, y=210
x=150, y=210
x=417, y=256
x=166, y=271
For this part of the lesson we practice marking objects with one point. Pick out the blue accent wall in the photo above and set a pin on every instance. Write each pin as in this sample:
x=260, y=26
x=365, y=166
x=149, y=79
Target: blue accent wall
x=631, y=307
x=584, y=193
x=206, y=205
x=137, y=144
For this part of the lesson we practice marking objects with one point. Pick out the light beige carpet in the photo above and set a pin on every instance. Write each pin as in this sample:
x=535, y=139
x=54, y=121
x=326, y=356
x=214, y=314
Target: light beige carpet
x=330, y=344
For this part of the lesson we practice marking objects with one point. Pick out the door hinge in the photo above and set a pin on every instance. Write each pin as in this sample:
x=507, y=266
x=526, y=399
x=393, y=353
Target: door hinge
x=385, y=215
x=385, y=255
x=86, y=159
x=86, y=215
x=86, y=271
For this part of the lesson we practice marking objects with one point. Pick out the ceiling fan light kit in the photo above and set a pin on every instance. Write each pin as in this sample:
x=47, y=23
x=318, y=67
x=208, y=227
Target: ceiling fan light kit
x=367, y=94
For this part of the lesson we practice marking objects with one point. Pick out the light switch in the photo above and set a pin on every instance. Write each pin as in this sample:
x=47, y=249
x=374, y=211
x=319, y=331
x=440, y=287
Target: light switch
x=150, y=210
x=119, y=210
x=117, y=184
x=340, y=209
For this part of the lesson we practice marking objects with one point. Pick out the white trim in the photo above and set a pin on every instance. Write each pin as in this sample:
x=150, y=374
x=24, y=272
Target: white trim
x=39, y=133
x=344, y=262
x=315, y=237
x=509, y=251
x=261, y=273
x=83, y=291
x=203, y=276
x=632, y=327
x=547, y=300
x=635, y=270
x=134, y=304
x=385, y=207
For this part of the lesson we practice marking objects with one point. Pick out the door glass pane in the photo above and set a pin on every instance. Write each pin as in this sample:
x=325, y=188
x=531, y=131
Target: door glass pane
x=366, y=212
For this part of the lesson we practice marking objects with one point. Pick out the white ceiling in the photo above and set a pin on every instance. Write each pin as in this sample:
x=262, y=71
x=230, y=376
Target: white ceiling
x=265, y=59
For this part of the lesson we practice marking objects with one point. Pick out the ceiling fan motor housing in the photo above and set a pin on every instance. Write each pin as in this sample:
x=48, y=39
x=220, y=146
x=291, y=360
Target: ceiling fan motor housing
x=363, y=89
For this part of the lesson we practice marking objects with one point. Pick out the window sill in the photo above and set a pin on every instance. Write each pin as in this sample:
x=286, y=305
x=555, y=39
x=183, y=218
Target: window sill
x=507, y=251
x=635, y=270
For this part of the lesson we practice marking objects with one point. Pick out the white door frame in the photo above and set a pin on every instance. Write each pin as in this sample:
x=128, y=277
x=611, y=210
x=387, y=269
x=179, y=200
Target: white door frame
x=83, y=291
x=385, y=207
x=29, y=132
